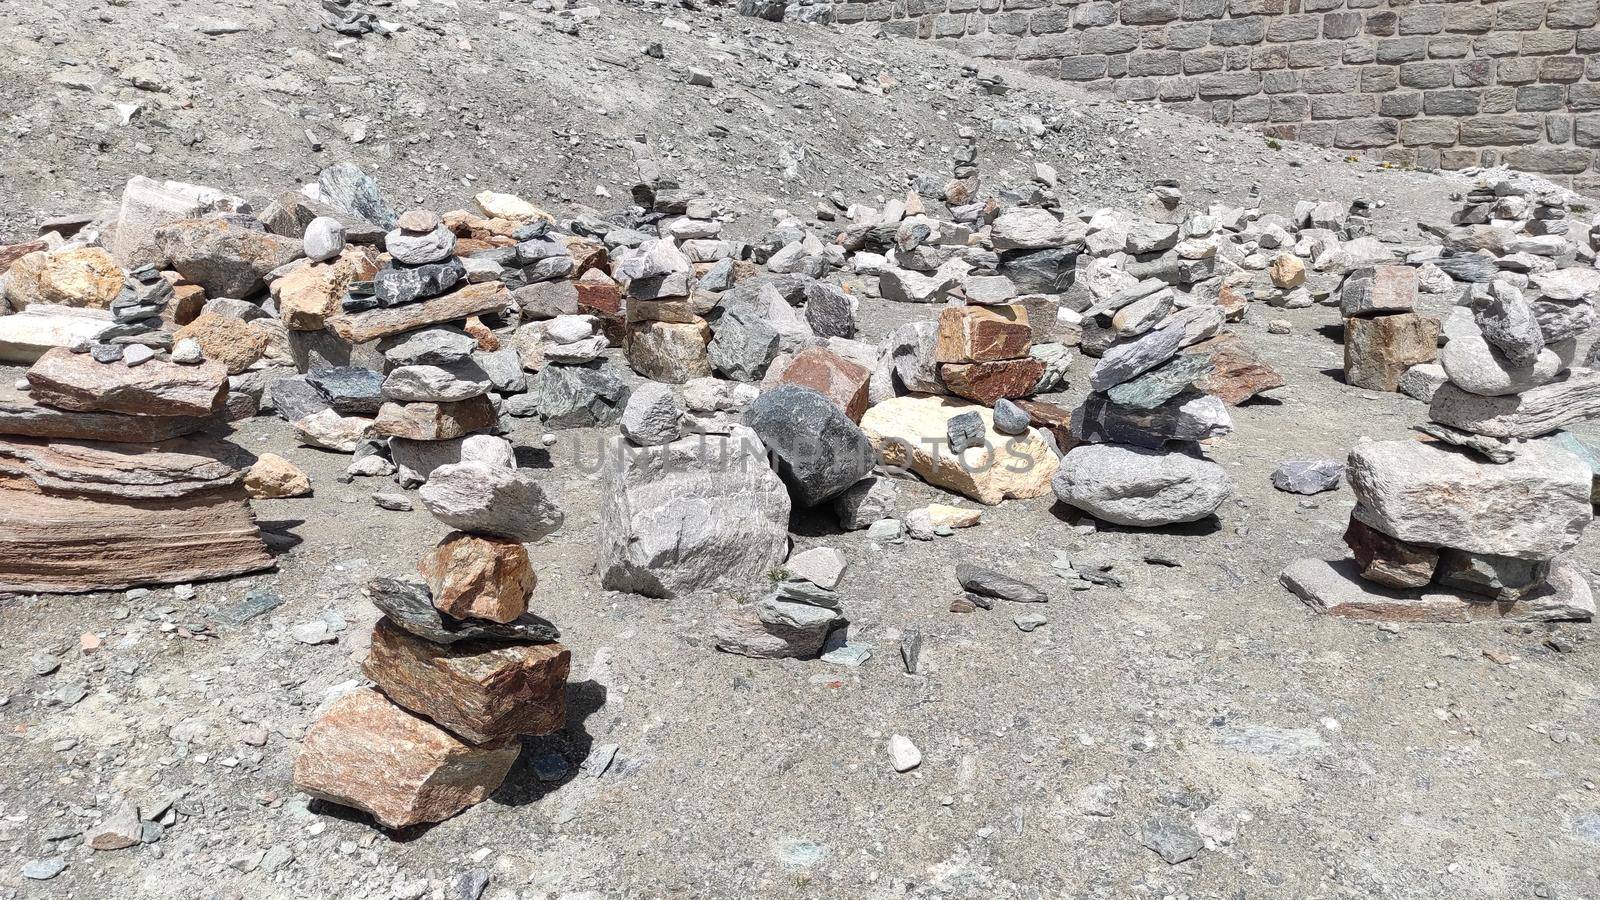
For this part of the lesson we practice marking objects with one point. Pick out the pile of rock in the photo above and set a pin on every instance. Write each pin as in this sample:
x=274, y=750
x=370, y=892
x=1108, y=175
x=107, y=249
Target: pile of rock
x=1472, y=523
x=1384, y=335
x=460, y=668
x=105, y=479
x=1140, y=461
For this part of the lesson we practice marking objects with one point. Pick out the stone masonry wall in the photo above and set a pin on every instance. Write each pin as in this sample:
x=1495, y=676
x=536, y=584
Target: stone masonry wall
x=1432, y=84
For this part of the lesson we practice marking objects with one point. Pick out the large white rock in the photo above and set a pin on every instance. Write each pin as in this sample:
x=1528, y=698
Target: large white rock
x=28, y=335
x=1533, y=507
x=702, y=513
x=1139, y=487
x=913, y=432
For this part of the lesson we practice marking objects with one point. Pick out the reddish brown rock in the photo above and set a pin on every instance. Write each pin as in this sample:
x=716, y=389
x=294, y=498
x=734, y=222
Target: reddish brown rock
x=969, y=334
x=434, y=421
x=1390, y=561
x=10, y=253
x=188, y=300
x=988, y=382
x=88, y=516
x=1054, y=418
x=831, y=375
x=677, y=310
x=587, y=256
x=1237, y=373
x=601, y=297
x=481, y=691
x=233, y=342
x=471, y=300
x=1377, y=351
x=474, y=577
x=370, y=754
x=487, y=340
x=74, y=381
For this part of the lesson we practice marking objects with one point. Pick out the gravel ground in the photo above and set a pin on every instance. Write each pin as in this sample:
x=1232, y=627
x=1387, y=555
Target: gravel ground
x=1317, y=757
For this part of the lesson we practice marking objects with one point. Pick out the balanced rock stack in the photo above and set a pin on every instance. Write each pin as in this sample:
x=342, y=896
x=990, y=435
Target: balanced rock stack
x=460, y=668
x=1384, y=336
x=667, y=339
x=1472, y=523
x=1140, y=462
x=105, y=482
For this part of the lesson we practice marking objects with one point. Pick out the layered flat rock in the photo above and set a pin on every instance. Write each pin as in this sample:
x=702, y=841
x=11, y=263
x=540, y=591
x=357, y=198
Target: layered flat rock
x=1533, y=507
x=990, y=382
x=409, y=605
x=21, y=415
x=368, y=753
x=1533, y=413
x=1336, y=589
x=912, y=432
x=700, y=513
x=28, y=335
x=85, y=516
x=74, y=381
x=480, y=691
x=471, y=300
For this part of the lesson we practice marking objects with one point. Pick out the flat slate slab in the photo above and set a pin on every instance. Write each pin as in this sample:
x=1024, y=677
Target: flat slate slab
x=1333, y=587
x=21, y=415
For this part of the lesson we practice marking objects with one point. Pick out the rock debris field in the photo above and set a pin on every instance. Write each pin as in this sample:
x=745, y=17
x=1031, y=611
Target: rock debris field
x=988, y=524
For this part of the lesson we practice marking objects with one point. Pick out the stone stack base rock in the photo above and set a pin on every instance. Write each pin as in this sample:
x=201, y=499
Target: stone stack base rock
x=460, y=668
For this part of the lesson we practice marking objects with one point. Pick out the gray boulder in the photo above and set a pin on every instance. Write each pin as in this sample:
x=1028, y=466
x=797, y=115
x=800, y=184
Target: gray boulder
x=865, y=502
x=487, y=499
x=428, y=347
x=820, y=451
x=1533, y=507
x=1139, y=487
x=743, y=346
x=1131, y=359
x=652, y=415
x=1191, y=416
x=830, y=311
x=1475, y=365
x=1308, y=476
x=911, y=347
x=702, y=513
x=579, y=396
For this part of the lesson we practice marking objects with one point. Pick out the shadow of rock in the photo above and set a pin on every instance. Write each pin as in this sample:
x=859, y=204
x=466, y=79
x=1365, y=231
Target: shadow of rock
x=572, y=744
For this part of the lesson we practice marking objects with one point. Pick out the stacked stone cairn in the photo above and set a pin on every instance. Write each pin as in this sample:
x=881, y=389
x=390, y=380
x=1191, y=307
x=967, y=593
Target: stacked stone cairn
x=1472, y=520
x=460, y=669
x=1384, y=335
x=105, y=479
x=1139, y=461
